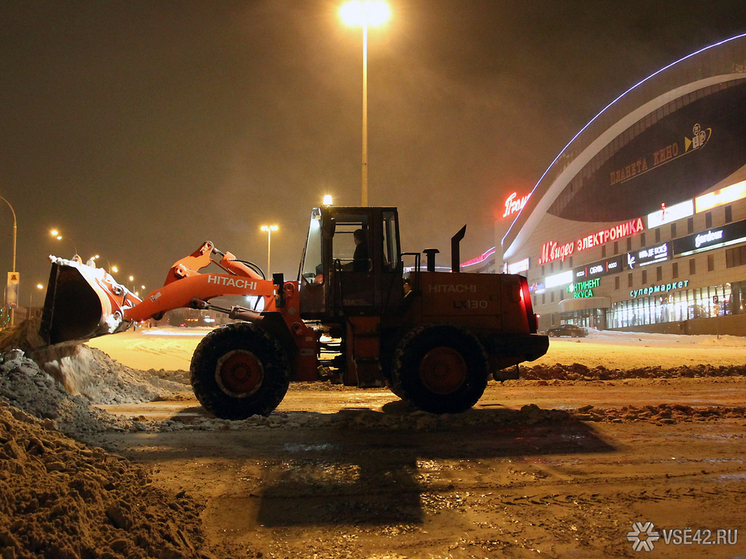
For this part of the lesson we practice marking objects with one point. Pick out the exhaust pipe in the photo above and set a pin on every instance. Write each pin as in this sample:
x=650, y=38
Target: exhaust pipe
x=456, y=251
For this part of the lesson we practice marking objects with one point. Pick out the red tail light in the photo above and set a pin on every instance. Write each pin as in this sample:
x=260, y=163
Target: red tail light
x=526, y=300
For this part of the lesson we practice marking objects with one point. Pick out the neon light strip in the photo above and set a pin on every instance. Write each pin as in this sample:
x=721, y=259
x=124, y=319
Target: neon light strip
x=479, y=259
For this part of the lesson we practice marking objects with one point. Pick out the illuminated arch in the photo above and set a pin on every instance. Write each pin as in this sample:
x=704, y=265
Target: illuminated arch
x=716, y=64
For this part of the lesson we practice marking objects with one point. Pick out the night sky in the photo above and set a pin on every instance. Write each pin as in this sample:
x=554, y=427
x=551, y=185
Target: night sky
x=140, y=129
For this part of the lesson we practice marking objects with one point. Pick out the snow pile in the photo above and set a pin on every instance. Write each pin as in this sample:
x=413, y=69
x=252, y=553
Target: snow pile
x=88, y=371
x=578, y=371
x=24, y=385
x=60, y=499
x=661, y=414
x=93, y=374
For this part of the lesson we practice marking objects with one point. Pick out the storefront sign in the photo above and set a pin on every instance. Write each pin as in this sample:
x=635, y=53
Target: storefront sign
x=11, y=290
x=553, y=250
x=513, y=204
x=720, y=197
x=518, y=267
x=672, y=213
x=730, y=234
x=558, y=279
x=536, y=287
x=646, y=256
x=584, y=289
x=600, y=268
x=662, y=288
x=663, y=155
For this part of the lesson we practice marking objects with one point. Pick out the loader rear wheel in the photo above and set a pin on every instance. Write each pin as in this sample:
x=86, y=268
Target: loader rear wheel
x=440, y=368
x=238, y=371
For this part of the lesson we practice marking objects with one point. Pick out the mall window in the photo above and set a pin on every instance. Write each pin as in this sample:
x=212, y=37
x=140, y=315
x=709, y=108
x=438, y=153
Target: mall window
x=571, y=262
x=728, y=214
x=735, y=257
x=603, y=251
x=543, y=298
x=710, y=262
x=642, y=240
x=629, y=279
x=551, y=297
x=616, y=283
x=629, y=244
x=644, y=277
x=673, y=230
x=708, y=220
x=659, y=273
x=616, y=248
x=692, y=267
x=690, y=225
x=675, y=270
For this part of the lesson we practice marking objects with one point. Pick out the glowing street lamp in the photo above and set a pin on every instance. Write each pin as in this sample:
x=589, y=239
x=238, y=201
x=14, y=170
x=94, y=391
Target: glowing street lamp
x=269, y=229
x=365, y=13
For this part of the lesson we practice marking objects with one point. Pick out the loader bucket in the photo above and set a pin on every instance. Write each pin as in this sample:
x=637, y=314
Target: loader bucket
x=82, y=302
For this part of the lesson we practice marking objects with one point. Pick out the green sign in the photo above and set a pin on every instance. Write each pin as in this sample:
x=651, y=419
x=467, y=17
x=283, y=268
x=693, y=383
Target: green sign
x=583, y=289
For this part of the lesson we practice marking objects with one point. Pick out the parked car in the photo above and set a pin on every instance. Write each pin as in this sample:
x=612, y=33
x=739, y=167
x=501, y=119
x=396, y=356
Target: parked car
x=568, y=330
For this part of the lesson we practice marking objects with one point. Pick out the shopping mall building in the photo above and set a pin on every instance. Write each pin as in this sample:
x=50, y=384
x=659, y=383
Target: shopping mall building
x=640, y=222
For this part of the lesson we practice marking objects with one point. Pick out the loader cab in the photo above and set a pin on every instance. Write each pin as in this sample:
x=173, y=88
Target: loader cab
x=351, y=264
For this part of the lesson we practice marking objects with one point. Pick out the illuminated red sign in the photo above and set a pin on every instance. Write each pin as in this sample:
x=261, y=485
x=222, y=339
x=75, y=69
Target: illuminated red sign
x=553, y=250
x=513, y=204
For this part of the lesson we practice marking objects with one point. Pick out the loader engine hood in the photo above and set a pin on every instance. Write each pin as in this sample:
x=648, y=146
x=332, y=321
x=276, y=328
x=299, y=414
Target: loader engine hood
x=82, y=302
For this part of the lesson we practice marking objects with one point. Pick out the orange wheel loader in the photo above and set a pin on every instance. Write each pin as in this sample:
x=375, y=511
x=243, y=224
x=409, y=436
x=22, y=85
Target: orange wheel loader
x=360, y=317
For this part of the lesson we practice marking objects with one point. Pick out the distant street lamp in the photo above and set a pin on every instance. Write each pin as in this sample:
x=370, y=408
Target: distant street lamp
x=269, y=229
x=365, y=13
x=15, y=231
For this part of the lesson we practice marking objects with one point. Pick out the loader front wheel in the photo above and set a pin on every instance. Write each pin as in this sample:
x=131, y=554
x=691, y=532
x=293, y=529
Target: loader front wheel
x=440, y=368
x=238, y=371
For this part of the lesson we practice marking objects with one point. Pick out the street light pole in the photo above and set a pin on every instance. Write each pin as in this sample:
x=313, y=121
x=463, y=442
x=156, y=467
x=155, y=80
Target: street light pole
x=269, y=229
x=15, y=231
x=30, y=299
x=56, y=234
x=365, y=13
x=364, y=197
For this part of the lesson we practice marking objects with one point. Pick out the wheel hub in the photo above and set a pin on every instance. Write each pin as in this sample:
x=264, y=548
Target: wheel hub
x=239, y=373
x=443, y=370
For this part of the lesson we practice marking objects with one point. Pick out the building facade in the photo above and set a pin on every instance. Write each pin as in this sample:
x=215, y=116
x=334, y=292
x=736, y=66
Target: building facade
x=640, y=222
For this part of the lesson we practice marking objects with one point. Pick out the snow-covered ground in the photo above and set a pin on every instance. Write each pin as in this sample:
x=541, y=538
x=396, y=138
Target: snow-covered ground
x=171, y=349
x=626, y=350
